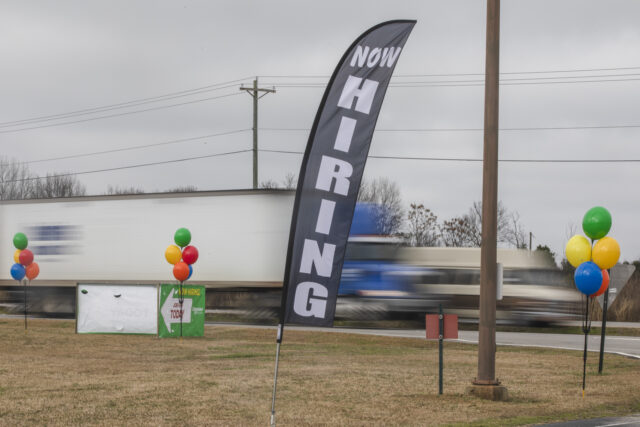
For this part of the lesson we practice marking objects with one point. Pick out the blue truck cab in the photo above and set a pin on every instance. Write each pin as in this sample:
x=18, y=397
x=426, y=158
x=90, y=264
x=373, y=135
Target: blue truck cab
x=374, y=283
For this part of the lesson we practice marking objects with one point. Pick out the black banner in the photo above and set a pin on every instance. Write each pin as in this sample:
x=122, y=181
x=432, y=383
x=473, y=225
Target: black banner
x=331, y=172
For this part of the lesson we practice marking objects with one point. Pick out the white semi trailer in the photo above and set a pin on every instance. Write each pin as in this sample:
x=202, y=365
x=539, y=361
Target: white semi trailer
x=241, y=237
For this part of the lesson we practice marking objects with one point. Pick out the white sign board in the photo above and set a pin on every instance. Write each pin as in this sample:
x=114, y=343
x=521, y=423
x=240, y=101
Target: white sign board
x=117, y=309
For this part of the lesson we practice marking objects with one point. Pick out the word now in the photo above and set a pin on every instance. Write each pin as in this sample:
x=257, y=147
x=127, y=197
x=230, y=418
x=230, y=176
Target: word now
x=386, y=56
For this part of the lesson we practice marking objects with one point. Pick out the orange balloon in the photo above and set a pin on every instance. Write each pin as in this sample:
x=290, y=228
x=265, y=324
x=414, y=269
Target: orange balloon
x=33, y=270
x=181, y=271
x=605, y=284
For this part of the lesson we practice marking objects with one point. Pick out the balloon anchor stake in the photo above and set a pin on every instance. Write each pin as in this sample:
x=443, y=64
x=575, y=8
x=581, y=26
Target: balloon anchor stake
x=181, y=300
x=25, y=306
x=586, y=327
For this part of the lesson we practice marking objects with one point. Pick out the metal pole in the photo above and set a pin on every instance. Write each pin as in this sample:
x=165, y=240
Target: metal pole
x=25, y=306
x=487, y=324
x=440, y=349
x=584, y=356
x=255, y=133
x=275, y=375
x=604, y=328
x=181, y=300
x=530, y=239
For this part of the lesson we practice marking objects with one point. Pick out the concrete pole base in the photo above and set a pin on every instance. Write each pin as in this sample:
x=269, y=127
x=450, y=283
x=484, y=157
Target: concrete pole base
x=495, y=392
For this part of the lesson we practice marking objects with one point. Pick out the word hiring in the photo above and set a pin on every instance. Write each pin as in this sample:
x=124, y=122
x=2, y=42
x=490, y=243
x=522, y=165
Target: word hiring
x=310, y=299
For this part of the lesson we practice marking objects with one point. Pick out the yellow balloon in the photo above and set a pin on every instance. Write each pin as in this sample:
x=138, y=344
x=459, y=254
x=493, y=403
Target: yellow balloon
x=578, y=250
x=16, y=256
x=606, y=252
x=173, y=254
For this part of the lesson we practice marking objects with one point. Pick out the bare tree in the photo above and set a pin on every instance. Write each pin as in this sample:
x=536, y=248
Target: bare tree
x=58, y=186
x=385, y=194
x=118, y=190
x=456, y=232
x=290, y=182
x=467, y=230
x=269, y=184
x=514, y=233
x=423, y=226
x=183, y=189
x=17, y=182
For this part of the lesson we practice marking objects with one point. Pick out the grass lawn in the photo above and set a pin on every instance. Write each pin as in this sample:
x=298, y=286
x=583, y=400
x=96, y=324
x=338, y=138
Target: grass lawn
x=52, y=376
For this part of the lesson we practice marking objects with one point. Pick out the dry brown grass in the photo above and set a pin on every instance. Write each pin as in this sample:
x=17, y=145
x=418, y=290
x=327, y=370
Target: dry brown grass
x=53, y=376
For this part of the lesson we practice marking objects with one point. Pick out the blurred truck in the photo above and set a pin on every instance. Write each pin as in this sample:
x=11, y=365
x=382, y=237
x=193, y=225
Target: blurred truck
x=242, y=238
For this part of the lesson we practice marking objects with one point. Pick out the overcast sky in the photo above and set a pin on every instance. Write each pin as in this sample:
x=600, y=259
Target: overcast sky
x=565, y=64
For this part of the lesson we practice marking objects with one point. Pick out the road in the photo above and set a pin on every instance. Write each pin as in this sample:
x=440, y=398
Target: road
x=625, y=346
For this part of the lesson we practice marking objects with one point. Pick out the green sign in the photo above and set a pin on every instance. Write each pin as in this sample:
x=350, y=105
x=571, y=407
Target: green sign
x=169, y=324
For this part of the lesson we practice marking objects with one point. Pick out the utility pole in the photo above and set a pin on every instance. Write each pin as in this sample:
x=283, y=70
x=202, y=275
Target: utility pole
x=254, y=92
x=485, y=384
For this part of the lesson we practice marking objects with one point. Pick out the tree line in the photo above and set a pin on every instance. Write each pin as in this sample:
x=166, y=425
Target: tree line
x=419, y=225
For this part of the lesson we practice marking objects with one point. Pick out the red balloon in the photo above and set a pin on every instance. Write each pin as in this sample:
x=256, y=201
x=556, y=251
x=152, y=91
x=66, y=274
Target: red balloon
x=605, y=284
x=181, y=271
x=190, y=254
x=33, y=270
x=26, y=257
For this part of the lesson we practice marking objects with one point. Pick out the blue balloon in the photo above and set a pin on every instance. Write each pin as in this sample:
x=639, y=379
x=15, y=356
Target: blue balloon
x=18, y=271
x=588, y=278
x=191, y=272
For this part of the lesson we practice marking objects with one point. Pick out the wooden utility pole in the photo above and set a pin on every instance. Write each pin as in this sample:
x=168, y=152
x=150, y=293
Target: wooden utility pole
x=254, y=92
x=485, y=384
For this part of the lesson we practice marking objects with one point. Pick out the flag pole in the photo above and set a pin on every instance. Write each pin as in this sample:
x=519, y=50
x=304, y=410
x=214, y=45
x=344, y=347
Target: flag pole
x=275, y=375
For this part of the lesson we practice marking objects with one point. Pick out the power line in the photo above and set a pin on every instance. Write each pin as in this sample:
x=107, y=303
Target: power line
x=120, y=114
x=127, y=104
x=222, y=85
x=140, y=165
x=482, y=81
x=474, y=129
x=214, y=135
x=445, y=83
x=457, y=159
x=137, y=147
x=584, y=70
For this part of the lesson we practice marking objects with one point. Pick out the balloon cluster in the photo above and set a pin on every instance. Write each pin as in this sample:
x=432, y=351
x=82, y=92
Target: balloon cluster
x=23, y=257
x=591, y=276
x=181, y=255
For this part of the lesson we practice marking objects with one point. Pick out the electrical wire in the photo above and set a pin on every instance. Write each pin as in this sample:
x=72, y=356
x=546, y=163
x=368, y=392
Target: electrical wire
x=584, y=70
x=456, y=159
x=137, y=147
x=474, y=129
x=127, y=104
x=140, y=165
x=228, y=84
x=162, y=107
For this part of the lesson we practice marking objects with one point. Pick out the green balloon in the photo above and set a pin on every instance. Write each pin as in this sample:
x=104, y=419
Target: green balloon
x=596, y=222
x=20, y=241
x=182, y=237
